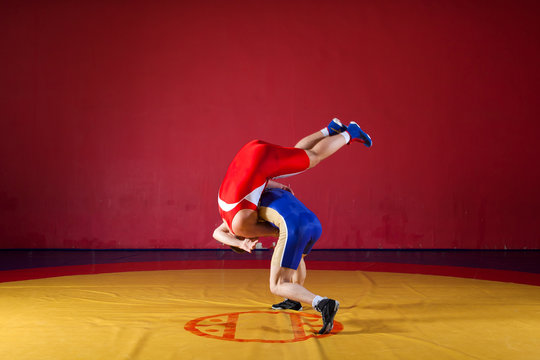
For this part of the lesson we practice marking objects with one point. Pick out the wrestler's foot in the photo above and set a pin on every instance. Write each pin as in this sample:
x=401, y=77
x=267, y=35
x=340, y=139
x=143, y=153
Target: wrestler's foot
x=358, y=134
x=288, y=305
x=328, y=309
x=335, y=127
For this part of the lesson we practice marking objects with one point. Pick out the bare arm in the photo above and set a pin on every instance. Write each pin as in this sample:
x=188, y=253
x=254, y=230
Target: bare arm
x=223, y=235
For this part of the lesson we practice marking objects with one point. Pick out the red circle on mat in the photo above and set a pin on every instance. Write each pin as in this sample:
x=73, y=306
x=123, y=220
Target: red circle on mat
x=229, y=322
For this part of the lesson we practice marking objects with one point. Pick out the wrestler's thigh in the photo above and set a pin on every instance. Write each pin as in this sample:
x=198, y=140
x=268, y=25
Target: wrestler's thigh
x=282, y=161
x=287, y=252
x=279, y=274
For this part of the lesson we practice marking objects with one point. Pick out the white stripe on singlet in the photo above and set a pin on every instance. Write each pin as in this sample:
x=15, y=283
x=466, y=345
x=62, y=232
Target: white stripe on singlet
x=252, y=197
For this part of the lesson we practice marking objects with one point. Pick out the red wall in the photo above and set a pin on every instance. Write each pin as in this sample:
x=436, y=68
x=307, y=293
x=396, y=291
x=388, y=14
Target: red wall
x=118, y=119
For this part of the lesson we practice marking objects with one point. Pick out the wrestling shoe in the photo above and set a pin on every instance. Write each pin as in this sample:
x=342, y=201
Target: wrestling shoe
x=328, y=309
x=335, y=127
x=288, y=305
x=358, y=134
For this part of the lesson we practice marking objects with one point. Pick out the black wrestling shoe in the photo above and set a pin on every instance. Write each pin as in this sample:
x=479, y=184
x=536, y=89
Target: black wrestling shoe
x=328, y=309
x=288, y=305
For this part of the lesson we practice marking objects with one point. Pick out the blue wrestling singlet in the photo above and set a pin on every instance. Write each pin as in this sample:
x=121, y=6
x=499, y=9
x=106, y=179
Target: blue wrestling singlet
x=299, y=228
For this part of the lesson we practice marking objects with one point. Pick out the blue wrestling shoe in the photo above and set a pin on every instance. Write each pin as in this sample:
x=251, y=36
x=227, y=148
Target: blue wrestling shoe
x=358, y=134
x=335, y=127
x=328, y=309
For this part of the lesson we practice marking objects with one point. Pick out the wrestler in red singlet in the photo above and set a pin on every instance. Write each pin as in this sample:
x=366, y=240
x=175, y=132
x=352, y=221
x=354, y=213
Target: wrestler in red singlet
x=249, y=172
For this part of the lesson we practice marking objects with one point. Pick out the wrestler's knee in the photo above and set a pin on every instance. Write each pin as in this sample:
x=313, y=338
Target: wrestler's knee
x=277, y=288
x=286, y=276
x=274, y=289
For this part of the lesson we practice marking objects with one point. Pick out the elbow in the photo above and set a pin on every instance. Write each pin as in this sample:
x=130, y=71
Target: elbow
x=217, y=234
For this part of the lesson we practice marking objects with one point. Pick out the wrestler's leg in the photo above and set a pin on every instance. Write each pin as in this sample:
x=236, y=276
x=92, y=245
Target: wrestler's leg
x=282, y=284
x=334, y=127
x=309, y=141
x=322, y=144
x=300, y=275
x=324, y=148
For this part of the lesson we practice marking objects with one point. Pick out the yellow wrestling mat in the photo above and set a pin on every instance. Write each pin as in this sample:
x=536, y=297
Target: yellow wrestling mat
x=225, y=314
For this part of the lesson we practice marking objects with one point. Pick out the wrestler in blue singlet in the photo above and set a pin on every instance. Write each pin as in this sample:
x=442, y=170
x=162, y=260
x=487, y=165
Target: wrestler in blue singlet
x=299, y=228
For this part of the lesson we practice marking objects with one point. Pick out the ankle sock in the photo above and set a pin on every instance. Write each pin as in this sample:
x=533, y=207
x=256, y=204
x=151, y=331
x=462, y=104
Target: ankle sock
x=346, y=135
x=316, y=301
